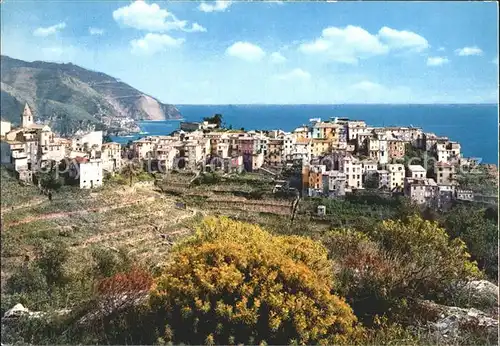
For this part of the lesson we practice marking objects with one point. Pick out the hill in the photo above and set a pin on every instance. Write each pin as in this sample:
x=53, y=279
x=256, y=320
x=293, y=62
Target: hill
x=70, y=97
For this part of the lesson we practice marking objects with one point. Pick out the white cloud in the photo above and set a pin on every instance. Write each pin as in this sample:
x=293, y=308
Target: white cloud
x=345, y=45
x=441, y=49
x=246, y=51
x=195, y=27
x=215, y=6
x=402, y=39
x=154, y=43
x=277, y=58
x=349, y=44
x=96, y=31
x=51, y=30
x=495, y=61
x=437, y=61
x=466, y=51
x=294, y=75
x=142, y=16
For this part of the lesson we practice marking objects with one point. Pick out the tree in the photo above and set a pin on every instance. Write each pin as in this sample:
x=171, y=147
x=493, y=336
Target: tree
x=478, y=229
x=51, y=260
x=130, y=170
x=235, y=283
x=216, y=119
x=371, y=181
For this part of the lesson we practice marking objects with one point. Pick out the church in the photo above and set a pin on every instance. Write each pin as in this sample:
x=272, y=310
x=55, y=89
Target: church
x=29, y=146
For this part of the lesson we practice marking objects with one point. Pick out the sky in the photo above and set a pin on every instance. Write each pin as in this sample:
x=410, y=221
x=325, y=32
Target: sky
x=223, y=52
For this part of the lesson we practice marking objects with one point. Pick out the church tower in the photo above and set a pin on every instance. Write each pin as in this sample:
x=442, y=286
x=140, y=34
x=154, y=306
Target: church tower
x=26, y=117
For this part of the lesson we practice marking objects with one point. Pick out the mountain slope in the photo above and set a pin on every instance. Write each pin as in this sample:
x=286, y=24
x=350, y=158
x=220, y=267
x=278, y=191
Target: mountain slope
x=70, y=97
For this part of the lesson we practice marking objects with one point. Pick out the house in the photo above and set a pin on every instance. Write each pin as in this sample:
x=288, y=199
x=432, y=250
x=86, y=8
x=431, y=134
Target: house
x=302, y=150
x=193, y=154
x=396, y=149
x=421, y=190
x=373, y=148
x=448, y=151
x=288, y=146
x=383, y=156
x=362, y=141
x=396, y=175
x=275, y=152
x=84, y=142
x=165, y=155
x=319, y=147
x=233, y=164
x=352, y=169
x=444, y=173
x=88, y=172
x=143, y=148
x=464, y=195
x=313, y=178
x=416, y=171
x=354, y=127
x=301, y=132
x=368, y=165
x=334, y=183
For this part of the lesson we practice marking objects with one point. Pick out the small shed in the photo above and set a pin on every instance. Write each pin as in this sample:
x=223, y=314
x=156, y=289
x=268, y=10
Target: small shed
x=321, y=210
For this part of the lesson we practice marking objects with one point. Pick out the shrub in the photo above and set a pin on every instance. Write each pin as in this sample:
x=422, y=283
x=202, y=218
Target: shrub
x=234, y=282
x=395, y=262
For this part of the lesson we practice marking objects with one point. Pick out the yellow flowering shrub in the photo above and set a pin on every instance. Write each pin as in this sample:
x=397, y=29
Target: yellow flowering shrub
x=236, y=283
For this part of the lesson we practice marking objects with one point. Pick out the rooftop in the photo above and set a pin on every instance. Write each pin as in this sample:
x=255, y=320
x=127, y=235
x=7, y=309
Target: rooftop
x=416, y=168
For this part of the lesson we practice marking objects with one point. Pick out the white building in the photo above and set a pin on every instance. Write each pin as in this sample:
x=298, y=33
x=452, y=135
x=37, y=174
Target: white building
x=352, y=169
x=383, y=156
x=111, y=157
x=86, y=142
x=288, y=146
x=87, y=171
x=368, y=165
x=396, y=175
x=416, y=171
x=302, y=150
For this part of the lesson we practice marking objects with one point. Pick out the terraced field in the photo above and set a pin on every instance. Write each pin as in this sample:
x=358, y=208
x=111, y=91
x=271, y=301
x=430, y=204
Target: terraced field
x=143, y=221
x=140, y=220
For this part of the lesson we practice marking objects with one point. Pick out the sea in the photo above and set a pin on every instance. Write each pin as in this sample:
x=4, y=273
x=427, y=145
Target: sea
x=474, y=126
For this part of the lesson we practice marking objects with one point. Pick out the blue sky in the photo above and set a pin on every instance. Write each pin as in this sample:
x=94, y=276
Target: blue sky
x=270, y=52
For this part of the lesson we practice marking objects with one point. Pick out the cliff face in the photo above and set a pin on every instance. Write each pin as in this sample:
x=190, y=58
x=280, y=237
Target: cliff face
x=70, y=97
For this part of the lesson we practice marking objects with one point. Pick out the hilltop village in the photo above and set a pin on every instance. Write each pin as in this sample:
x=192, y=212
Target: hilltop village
x=333, y=157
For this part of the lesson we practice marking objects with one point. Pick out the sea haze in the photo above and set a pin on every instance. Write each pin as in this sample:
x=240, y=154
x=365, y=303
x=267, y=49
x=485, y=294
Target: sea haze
x=474, y=126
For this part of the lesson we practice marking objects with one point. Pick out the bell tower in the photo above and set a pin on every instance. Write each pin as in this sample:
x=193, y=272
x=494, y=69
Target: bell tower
x=26, y=117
